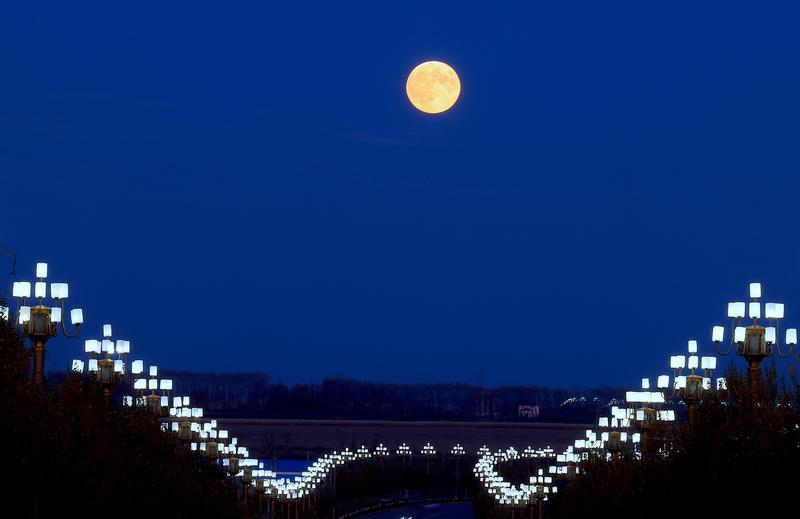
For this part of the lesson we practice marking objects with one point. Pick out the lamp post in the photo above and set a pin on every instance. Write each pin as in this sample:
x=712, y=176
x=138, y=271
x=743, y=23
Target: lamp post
x=457, y=452
x=428, y=452
x=755, y=342
x=107, y=370
x=41, y=322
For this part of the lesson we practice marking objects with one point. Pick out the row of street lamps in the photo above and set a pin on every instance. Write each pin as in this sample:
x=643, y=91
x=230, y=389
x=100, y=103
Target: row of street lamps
x=627, y=427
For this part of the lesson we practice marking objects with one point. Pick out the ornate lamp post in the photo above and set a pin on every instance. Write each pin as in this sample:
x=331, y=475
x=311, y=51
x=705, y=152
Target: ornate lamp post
x=41, y=322
x=457, y=452
x=404, y=451
x=428, y=452
x=755, y=342
x=107, y=370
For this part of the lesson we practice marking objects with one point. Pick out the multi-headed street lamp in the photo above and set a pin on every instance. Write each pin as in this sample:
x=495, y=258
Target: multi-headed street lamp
x=755, y=342
x=106, y=369
x=42, y=322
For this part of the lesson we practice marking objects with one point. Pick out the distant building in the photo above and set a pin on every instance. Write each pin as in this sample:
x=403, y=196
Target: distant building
x=528, y=411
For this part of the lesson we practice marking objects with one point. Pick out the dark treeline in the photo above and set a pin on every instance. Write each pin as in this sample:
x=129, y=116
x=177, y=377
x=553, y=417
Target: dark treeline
x=255, y=395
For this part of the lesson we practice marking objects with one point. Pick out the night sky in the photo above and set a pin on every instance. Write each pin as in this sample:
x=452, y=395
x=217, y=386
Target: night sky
x=244, y=186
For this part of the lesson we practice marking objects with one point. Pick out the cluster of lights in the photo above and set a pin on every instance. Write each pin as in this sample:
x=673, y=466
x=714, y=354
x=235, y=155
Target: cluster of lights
x=43, y=318
x=540, y=486
x=530, y=452
x=428, y=450
x=381, y=450
x=108, y=361
x=754, y=342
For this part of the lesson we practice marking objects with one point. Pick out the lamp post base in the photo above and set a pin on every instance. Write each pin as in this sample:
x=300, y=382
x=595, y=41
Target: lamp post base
x=38, y=367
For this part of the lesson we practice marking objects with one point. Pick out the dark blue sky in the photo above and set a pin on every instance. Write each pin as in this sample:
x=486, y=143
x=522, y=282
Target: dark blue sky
x=244, y=186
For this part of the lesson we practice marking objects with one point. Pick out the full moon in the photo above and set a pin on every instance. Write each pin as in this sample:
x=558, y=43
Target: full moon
x=433, y=87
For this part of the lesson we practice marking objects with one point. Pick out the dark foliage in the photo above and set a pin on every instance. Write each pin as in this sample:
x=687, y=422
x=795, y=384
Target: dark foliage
x=69, y=453
x=736, y=457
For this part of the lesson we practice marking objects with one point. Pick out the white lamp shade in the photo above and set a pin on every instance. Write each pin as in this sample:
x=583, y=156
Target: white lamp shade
x=718, y=334
x=22, y=289
x=175, y=426
x=166, y=384
x=738, y=334
x=692, y=346
x=656, y=397
x=678, y=362
x=153, y=371
x=223, y=435
x=603, y=421
x=706, y=383
x=754, y=310
x=164, y=401
x=140, y=384
x=693, y=362
x=680, y=382
x=40, y=289
x=645, y=383
x=176, y=402
x=755, y=290
x=722, y=383
x=24, y=314
x=92, y=365
x=791, y=336
x=41, y=270
x=663, y=381
x=123, y=346
x=107, y=331
x=709, y=363
x=76, y=316
x=769, y=335
x=152, y=383
x=185, y=401
x=55, y=314
x=77, y=365
x=137, y=366
x=779, y=308
x=59, y=290
x=108, y=346
x=119, y=367
x=769, y=310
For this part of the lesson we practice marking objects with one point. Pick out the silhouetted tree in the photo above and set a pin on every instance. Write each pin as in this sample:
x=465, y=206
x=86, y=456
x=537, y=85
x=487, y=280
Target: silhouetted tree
x=738, y=456
x=69, y=453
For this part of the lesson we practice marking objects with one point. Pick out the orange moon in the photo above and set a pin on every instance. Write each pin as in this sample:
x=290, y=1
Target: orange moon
x=433, y=87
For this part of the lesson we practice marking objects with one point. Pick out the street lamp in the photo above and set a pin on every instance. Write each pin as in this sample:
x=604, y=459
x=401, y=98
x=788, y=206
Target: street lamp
x=690, y=388
x=428, y=452
x=755, y=342
x=41, y=322
x=106, y=369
